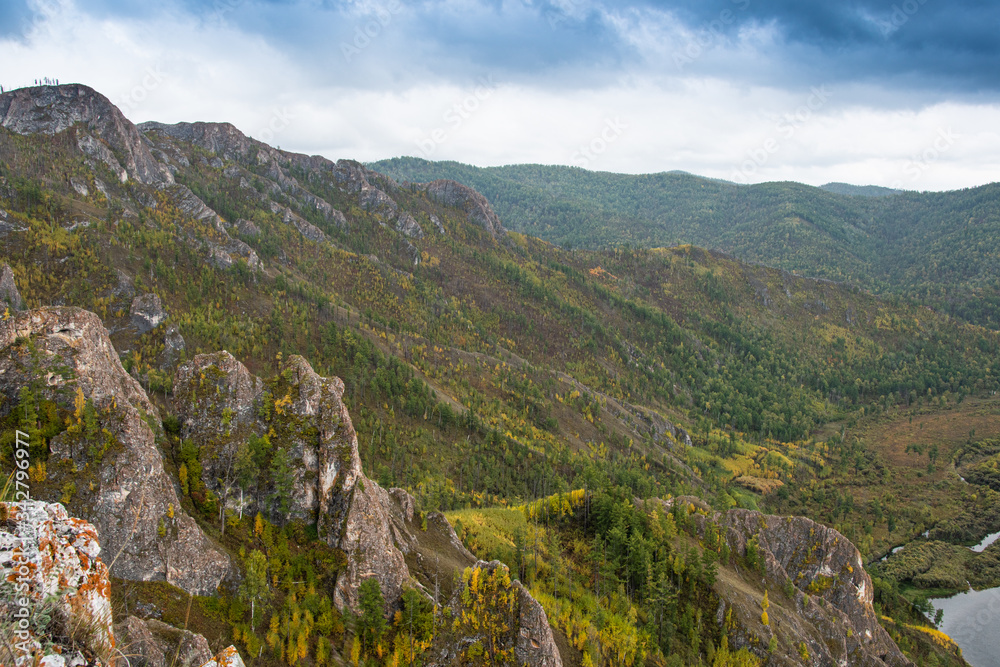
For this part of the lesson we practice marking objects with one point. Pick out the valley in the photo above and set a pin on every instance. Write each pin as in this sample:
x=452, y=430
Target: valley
x=664, y=448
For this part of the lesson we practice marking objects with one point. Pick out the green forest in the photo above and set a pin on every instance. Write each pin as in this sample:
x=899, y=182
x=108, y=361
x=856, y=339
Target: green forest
x=520, y=384
x=933, y=248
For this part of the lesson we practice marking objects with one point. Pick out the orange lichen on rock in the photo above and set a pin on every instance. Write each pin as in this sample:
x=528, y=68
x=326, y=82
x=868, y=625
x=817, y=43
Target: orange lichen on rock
x=58, y=558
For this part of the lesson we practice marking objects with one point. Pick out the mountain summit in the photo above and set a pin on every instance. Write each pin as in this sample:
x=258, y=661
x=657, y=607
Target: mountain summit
x=102, y=132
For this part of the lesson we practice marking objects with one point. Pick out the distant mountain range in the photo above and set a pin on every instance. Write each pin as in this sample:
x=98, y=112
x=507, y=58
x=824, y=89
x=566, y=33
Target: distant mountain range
x=941, y=249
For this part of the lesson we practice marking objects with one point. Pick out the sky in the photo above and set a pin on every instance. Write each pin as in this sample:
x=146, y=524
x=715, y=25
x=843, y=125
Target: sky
x=898, y=93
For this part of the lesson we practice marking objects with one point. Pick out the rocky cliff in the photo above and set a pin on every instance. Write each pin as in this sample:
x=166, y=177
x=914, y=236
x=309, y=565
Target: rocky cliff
x=55, y=606
x=113, y=465
x=103, y=132
x=57, y=587
x=221, y=406
x=820, y=595
x=475, y=205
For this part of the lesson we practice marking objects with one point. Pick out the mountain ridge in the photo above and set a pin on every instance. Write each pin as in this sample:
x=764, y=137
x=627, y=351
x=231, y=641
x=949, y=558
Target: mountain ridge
x=561, y=386
x=881, y=243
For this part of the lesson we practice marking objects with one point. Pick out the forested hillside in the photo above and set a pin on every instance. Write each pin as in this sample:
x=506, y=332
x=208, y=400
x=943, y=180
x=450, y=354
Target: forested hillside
x=554, y=402
x=939, y=249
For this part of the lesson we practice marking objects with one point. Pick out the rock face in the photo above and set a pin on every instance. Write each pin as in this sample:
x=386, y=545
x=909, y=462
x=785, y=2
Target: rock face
x=152, y=643
x=830, y=609
x=173, y=345
x=224, y=140
x=146, y=312
x=53, y=109
x=129, y=493
x=408, y=226
x=474, y=204
x=53, y=562
x=9, y=294
x=221, y=405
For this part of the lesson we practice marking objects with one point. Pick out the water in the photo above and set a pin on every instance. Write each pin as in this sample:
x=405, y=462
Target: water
x=987, y=541
x=972, y=619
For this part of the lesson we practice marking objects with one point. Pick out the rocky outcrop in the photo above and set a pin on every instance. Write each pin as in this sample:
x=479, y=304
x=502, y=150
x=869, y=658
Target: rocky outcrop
x=474, y=204
x=222, y=139
x=830, y=606
x=103, y=131
x=436, y=221
x=354, y=177
x=247, y=228
x=152, y=643
x=307, y=229
x=223, y=249
x=53, y=563
x=10, y=297
x=173, y=345
x=221, y=405
x=146, y=312
x=405, y=224
x=121, y=485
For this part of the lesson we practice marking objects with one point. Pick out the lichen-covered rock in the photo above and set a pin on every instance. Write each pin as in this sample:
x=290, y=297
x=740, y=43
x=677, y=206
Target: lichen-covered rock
x=10, y=297
x=52, y=559
x=227, y=657
x=128, y=494
x=830, y=610
x=474, y=204
x=146, y=312
x=53, y=109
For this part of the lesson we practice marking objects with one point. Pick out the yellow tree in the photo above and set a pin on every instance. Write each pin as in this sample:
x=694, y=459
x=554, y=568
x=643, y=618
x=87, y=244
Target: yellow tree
x=489, y=602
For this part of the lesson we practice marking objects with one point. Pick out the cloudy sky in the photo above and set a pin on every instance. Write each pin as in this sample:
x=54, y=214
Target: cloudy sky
x=902, y=93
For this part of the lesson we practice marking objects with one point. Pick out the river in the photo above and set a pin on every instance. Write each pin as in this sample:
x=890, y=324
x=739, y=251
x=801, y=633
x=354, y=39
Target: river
x=987, y=541
x=972, y=619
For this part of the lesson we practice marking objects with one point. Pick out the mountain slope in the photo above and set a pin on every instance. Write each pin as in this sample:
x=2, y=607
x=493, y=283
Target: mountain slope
x=483, y=370
x=940, y=249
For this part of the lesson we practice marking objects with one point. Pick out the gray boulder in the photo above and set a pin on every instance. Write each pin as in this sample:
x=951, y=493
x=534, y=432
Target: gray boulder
x=146, y=312
x=9, y=294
